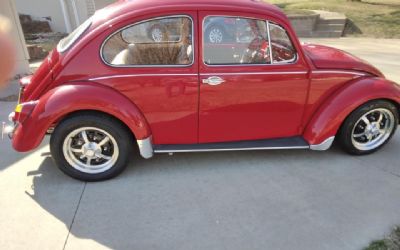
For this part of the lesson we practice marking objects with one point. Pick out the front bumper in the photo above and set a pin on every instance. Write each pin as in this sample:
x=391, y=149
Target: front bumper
x=8, y=128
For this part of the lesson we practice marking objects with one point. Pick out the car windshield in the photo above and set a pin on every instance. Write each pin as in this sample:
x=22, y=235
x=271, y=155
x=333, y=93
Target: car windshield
x=66, y=43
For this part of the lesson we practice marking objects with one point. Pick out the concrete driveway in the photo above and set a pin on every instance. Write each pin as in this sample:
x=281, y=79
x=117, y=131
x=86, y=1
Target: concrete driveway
x=236, y=200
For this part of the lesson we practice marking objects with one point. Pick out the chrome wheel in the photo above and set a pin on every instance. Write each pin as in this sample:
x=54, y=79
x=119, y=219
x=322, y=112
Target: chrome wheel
x=157, y=35
x=90, y=150
x=215, y=35
x=373, y=129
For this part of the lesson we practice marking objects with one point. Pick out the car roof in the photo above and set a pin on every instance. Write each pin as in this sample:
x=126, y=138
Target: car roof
x=123, y=7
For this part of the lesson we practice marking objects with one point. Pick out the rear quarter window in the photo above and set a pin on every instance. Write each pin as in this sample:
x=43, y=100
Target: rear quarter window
x=68, y=41
x=165, y=41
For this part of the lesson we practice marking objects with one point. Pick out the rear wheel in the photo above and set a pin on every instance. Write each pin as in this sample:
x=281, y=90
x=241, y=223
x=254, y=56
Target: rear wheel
x=91, y=147
x=369, y=127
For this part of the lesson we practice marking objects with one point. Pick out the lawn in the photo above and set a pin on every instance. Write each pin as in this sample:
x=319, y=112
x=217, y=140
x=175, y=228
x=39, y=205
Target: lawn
x=375, y=18
x=391, y=242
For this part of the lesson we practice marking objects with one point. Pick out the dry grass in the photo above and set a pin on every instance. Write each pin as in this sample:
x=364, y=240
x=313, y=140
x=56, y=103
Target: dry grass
x=375, y=18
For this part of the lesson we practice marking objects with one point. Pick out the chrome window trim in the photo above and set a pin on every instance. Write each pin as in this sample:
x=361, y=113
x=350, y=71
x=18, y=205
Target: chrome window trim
x=150, y=65
x=269, y=42
x=287, y=62
x=246, y=65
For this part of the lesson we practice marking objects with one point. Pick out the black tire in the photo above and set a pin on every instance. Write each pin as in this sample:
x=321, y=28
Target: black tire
x=118, y=131
x=346, y=131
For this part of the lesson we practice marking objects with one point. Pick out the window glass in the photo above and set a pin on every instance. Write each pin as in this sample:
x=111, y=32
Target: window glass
x=164, y=41
x=235, y=40
x=283, y=50
x=66, y=43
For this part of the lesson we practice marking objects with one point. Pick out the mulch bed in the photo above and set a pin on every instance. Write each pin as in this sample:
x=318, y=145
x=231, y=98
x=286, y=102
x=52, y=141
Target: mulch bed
x=11, y=98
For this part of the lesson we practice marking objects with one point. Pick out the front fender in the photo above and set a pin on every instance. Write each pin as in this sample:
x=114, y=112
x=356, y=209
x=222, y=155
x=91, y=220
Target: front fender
x=331, y=114
x=66, y=99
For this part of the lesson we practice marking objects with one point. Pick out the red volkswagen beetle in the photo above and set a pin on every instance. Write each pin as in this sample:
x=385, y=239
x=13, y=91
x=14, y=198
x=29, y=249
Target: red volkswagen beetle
x=218, y=76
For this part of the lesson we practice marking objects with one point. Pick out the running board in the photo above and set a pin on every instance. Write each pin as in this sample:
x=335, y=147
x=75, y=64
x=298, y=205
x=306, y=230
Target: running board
x=283, y=143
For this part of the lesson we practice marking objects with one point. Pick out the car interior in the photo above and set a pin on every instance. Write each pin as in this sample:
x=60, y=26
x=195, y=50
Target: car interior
x=132, y=46
x=117, y=51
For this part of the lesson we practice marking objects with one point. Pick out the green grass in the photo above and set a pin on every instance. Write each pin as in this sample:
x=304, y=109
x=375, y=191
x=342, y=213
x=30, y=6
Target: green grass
x=375, y=18
x=377, y=245
x=391, y=242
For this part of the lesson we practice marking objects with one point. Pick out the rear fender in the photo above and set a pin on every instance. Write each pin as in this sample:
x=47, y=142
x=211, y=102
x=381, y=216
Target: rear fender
x=331, y=114
x=61, y=101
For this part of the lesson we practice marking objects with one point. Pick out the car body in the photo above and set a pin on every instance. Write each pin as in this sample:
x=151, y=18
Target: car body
x=187, y=94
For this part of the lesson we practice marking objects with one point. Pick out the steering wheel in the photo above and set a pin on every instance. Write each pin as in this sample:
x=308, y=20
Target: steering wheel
x=281, y=52
x=257, y=51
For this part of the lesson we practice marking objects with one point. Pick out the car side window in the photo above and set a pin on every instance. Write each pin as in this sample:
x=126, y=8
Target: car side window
x=235, y=41
x=164, y=41
x=283, y=50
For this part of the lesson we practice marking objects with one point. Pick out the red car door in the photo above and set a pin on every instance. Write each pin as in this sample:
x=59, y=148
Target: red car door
x=245, y=93
x=154, y=63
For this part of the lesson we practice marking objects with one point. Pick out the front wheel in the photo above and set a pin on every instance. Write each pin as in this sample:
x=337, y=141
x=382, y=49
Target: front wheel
x=369, y=127
x=91, y=147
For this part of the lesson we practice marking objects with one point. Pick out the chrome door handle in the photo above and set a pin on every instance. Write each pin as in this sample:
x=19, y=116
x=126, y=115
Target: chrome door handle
x=213, y=80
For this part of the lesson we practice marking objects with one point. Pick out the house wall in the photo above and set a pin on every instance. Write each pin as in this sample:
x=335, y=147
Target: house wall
x=8, y=10
x=102, y=3
x=91, y=8
x=44, y=8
